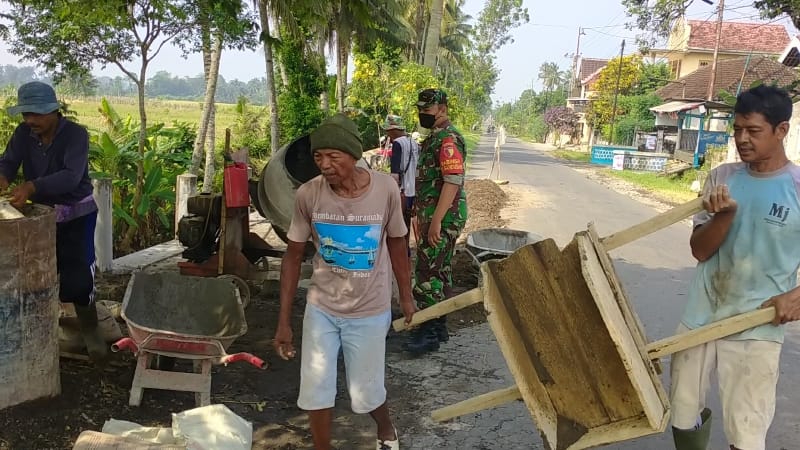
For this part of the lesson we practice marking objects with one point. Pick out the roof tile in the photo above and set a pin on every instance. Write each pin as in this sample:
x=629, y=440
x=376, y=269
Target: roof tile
x=739, y=36
x=729, y=74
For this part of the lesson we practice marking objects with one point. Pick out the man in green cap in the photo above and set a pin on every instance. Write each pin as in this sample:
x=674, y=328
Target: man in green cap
x=441, y=211
x=354, y=218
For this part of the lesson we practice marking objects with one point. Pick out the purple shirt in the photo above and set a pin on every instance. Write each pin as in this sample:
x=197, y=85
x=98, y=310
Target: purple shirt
x=60, y=171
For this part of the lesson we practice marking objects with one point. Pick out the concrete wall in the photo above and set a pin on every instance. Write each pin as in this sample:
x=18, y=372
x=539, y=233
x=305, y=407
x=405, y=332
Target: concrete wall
x=691, y=61
x=792, y=141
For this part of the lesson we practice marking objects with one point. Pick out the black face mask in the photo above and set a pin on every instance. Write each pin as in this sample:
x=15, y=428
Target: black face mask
x=427, y=120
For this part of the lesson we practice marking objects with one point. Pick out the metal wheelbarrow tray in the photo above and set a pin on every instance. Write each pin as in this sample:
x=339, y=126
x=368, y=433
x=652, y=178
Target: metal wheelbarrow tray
x=495, y=243
x=184, y=317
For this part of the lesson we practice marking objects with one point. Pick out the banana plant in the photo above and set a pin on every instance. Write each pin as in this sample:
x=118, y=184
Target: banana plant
x=114, y=153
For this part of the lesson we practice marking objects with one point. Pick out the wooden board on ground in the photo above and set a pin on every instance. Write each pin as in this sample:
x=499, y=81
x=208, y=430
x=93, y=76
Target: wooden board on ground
x=93, y=440
x=569, y=346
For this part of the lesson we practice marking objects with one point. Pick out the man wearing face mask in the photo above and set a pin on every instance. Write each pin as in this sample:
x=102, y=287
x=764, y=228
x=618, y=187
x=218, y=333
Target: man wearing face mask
x=441, y=211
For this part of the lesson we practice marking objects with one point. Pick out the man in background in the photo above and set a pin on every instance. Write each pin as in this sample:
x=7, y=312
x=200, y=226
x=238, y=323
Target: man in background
x=54, y=155
x=405, y=153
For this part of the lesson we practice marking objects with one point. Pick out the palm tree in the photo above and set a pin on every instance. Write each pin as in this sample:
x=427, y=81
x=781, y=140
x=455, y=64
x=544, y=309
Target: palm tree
x=455, y=39
x=550, y=76
x=264, y=8
x=434, y=31
x=362, y=22
x=223, y=23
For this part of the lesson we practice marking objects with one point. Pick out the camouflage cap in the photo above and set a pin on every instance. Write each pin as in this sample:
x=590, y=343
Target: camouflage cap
x=393, y=123
x=430, y=97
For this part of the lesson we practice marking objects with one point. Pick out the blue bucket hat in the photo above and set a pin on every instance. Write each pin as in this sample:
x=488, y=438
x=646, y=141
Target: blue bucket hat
x=35, y=97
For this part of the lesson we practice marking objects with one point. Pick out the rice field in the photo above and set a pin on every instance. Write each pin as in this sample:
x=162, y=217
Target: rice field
x=166, y=111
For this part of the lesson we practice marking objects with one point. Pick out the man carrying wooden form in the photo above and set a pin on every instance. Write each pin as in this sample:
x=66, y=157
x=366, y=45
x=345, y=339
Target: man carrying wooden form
x=747, y=242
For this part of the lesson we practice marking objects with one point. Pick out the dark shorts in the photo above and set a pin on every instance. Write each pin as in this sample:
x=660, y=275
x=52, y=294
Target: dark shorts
x=75, y=259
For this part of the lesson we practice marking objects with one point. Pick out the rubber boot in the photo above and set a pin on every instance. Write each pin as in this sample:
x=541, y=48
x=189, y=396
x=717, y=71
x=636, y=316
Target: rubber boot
x=95, y=344
x=694, y=439
x=422, y=340
x=441, y=329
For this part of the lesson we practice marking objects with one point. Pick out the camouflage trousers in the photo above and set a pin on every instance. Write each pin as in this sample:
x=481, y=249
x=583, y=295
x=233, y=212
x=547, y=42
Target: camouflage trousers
x=433, y=272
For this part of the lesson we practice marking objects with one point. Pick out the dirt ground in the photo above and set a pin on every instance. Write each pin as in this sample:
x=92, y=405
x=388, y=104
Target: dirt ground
x=266, y=398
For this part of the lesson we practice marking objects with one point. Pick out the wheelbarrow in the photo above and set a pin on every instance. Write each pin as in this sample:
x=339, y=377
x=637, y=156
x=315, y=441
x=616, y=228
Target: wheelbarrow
x=176, y=316
x=497, y=243
x=573, y=343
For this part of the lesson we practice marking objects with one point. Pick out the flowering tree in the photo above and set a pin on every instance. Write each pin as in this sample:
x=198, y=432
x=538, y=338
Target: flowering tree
x=561, y=120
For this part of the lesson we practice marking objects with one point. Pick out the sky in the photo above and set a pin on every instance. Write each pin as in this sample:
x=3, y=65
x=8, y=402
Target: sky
x=550, y=36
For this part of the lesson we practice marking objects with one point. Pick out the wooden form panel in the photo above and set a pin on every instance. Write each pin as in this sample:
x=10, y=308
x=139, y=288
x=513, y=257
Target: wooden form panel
x=566, y=362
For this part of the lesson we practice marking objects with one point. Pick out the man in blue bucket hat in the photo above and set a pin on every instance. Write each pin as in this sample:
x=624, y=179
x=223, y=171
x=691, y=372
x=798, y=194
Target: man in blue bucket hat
x=54, y=155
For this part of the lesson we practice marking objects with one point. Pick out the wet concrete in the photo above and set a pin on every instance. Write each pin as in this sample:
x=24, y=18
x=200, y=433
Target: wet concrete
x=194, y=306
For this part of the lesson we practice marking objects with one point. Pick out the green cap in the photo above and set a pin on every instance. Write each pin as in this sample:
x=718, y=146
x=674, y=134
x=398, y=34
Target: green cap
x=337, y=132
x=430, y=97
x=393, y=123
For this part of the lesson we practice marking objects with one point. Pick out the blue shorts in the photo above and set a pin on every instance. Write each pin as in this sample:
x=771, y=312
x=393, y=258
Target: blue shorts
x=363, y=343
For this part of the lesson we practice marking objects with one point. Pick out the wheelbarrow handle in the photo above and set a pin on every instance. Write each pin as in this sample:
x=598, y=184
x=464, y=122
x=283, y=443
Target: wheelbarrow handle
x=246, y=357
x=125, y=344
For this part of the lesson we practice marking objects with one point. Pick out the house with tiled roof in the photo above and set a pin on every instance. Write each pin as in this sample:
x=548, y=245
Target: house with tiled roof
x=588, y=71
x=686, y=120
x=732, y=74
x=691, y=43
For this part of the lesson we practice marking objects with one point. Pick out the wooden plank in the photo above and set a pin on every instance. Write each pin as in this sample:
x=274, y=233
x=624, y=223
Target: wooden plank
x=143, y=258
x=478, y=403
x=684, y=156
x=93, y=440
x=460, y=301
x=515, y=354
x=618, y=431
x=653, y=224
x=628, y=312
x=637, y=329
x=638, y=371
x=554, y=340
x=710, y=332
x=174, y=381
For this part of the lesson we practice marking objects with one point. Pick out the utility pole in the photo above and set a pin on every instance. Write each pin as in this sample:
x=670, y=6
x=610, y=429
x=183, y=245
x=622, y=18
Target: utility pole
x=575, y=63
x=616, y=91
x=720, y=13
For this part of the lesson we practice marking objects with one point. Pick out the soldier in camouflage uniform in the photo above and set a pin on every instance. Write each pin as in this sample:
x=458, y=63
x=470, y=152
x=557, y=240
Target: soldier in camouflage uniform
x=441, y=211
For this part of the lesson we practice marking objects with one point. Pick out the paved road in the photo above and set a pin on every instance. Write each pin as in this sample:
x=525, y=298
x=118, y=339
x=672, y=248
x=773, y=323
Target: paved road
x=655, y=270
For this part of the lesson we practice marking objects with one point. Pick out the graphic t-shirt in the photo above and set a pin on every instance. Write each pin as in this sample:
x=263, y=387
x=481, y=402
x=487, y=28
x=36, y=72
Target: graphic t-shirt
x=352, y=270
x=760, y=255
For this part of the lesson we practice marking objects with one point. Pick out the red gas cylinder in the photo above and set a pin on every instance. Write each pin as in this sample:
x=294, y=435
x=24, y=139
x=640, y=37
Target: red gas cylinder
x=236, y=192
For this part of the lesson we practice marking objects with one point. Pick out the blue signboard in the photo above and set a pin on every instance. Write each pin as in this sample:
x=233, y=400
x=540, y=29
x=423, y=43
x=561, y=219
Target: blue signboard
x=706, y=139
